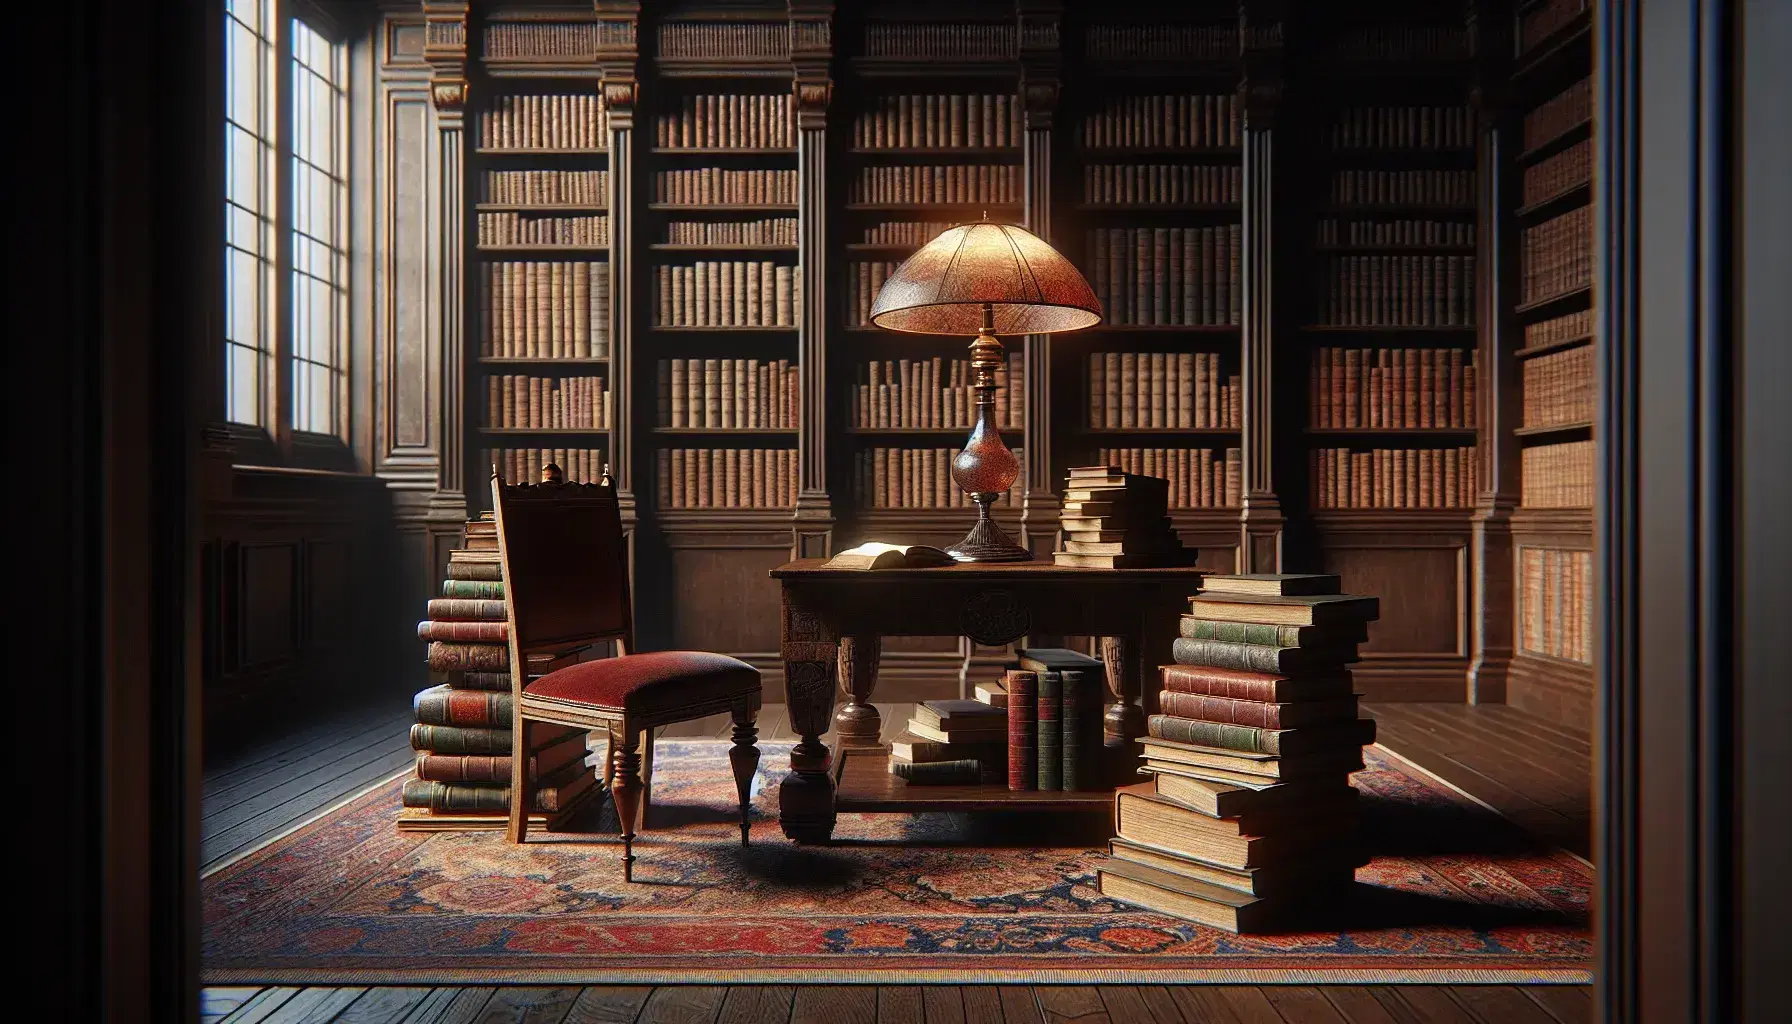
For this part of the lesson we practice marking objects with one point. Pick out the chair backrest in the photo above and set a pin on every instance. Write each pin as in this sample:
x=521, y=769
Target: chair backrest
x=565, y=563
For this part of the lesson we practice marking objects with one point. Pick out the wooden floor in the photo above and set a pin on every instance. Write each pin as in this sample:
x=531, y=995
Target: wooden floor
x=1537, y=774
x=908, y=1004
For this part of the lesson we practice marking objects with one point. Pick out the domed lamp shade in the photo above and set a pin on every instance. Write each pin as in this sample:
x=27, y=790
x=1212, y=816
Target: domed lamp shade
x=986, y=279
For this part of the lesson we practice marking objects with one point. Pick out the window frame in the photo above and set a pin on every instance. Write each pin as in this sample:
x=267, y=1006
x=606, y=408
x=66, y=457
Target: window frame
x=274, y=439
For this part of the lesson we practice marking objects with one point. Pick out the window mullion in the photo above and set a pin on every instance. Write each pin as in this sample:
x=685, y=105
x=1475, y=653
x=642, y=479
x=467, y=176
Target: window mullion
x=280, y=397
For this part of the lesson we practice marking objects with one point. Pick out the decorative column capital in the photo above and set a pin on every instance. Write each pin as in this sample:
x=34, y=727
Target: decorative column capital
x=811, y=60
x=445, y=51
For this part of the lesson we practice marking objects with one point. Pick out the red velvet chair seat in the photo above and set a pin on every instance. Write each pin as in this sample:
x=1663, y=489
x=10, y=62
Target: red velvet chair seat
x=648, y=683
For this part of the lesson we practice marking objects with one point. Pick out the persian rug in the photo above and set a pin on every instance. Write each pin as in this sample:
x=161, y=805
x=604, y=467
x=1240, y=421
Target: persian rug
x=1454, y=894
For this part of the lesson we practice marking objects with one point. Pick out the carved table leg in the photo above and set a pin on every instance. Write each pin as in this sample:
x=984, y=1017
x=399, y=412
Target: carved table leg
x=1124, y=721
x=806, y=796
x=857, y=723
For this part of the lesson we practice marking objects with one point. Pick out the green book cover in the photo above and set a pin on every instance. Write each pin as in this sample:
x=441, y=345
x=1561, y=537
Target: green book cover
x=476, y=590
x=1051, y=736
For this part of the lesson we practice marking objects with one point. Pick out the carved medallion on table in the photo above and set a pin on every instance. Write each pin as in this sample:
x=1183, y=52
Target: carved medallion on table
x=994, y=617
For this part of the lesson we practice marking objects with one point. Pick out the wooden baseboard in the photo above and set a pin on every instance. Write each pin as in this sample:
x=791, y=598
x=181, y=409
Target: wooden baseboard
x=1559, y=692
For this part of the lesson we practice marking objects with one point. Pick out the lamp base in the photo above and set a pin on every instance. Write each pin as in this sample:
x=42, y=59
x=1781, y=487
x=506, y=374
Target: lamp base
x=987, y=543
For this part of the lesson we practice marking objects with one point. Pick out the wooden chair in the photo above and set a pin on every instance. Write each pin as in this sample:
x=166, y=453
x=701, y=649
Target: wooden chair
x=566, y=577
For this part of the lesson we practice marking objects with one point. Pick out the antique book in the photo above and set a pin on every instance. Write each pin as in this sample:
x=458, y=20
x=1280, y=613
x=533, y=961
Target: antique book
x=454, y=609
x=1309, y=610
x=1230, y=800
x=471, y=632
x=878, y=555
x=1270, y=635
x=451, y=739
x=967, y=772
x=1236, y=766
x=1050, y=741
x=451, y=657
x=1142, y=816
x=1328, y=798
x=993, y=694
x=551, y=796
x=1315, y=872
x=1260, y=657
x=494, y=769
x=910, y=747
x=444, y=705
x=461, y=680
x=1187, y=898
x=1275, y=742
x=475, y=571
x=1023, y=729
x=953, y=715
x=1279, y=584
x=1257, y=714
x=1081, y=745
x=1240, y=684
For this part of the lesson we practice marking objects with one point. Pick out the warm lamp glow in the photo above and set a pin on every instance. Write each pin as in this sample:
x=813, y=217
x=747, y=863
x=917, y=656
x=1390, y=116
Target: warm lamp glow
x=986, y=279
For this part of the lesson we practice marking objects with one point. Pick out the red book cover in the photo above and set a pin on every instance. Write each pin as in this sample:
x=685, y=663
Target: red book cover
x=1023, y=730
x=1268, y=687
x=476, y=632
x=1257, y=714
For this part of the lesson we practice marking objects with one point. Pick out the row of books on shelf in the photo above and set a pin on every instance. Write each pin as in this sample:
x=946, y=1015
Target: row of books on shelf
x=729, y=478
x=525, y=39
x=1125, y=184
x=1559, y=113
x=545, y=309
x=1540, y=21
x=764, y=231
x=518, y=401
x=1177, y=41
x=1163, y=122
x=1558, y=388
x=961, y=39
x=1557, y=475
x=1186, y=276
x=544, y=122
x=1578, y=324
x=1344, y=478
x=1248, y=821
x=510, y=227
x=728, y=394
x=954, y=121
x=1400, y=291
x=1386, y=188
x=1555, y=616
x=864, y=279
x=523, y=465
x=1162, y=390
x=1403, y=128
x=544, y=188
x=1196, y=477
x=1332, y=231
x=703, y=186
x=726, y=293
x=1556, y=256
x=1391, y=388
x=942, y=183
x=725, y=39
x=752, y=121
x=1557, y=174
x=1112, y=519
x=1400, y=42
x=912, y=478
x=902, y=232
x=936, y=392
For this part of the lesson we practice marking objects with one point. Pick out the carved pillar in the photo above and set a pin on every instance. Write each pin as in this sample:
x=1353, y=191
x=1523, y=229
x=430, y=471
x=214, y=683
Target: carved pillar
x=445, y=50
x=811, y=54
x=1039, y=55
x=1498, y=402
x=1260, y=94
x=617, y=50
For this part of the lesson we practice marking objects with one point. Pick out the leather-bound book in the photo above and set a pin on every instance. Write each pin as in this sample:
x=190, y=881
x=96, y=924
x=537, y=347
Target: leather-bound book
x=1023, y=729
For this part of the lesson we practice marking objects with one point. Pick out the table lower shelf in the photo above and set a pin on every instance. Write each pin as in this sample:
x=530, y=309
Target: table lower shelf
x=863, y=784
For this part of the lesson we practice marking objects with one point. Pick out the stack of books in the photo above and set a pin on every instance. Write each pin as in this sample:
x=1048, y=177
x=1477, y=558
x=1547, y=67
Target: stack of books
x=463, y=724
x=1117, y=520
x=1249, y=818
x=952, y=743
x=1054, y=699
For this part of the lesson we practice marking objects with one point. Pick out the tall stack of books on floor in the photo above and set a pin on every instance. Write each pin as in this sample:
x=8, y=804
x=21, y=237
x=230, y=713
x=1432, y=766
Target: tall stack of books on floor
x=1040, y=728
x=1117, y=520
x=1249, y=822
x=462, y=732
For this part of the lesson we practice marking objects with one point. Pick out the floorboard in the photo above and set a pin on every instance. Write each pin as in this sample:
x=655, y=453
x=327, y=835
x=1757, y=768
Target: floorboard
x=683, y=1004
x=608, y=1004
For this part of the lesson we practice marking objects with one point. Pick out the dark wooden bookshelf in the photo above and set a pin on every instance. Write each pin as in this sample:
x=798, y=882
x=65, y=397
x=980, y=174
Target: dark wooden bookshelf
x=1532, y=351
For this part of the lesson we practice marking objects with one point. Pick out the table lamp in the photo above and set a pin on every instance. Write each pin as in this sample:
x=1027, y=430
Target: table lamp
x=986, y=279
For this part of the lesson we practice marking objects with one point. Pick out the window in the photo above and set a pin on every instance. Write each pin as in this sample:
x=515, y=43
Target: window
x=319, y=229
x=286, y=241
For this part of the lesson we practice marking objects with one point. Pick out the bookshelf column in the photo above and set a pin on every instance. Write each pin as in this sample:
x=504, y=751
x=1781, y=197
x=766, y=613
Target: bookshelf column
x=1498, y=406
x=811, y=53
x=617, y=50
x=1039, y=87
x=445, y=50
x=1260, y=94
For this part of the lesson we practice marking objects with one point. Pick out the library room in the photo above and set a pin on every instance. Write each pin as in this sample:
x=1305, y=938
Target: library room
x=900, y=511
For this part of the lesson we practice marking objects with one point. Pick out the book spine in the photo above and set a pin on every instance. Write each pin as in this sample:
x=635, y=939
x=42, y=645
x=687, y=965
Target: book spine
x=1213, y=734
x=964, y=772
x=1081, y=747
x=483, y=572
x=453, y=657
x=1256, y=714
x=1262, y=686
x=1023, y=730
x=444, y=797
x=1050, y=734
x=464, y=680
x=469, y=708
x=450, y=739
x=451, y=609
x=1243, y=632
x=476, y=632
x=1241, y=656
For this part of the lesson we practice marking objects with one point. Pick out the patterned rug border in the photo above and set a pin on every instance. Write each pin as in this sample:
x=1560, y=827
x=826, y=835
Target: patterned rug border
x=900, y=976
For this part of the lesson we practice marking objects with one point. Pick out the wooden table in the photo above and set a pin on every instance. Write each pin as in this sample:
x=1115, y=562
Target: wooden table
x=834, y=621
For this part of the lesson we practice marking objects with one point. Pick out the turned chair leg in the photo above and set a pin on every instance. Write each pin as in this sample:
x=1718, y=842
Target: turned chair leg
x=646, y=777
x=626, y=792
x=520, y=797
x=744, y=756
